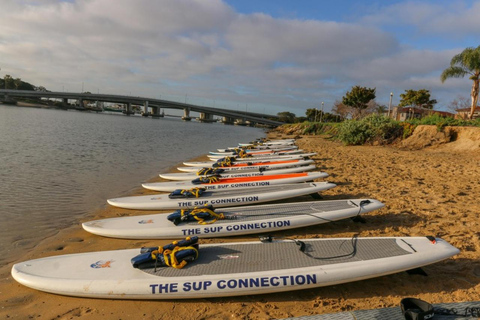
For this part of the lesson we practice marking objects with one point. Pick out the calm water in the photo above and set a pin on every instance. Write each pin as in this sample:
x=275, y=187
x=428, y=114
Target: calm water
x=56, y=166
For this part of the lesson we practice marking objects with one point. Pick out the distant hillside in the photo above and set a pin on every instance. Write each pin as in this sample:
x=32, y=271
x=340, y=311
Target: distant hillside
x=18, y=84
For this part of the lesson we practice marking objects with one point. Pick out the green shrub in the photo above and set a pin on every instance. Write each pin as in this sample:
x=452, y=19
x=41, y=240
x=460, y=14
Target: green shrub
x=353, y=132
x=372, y=128
x=407, y=129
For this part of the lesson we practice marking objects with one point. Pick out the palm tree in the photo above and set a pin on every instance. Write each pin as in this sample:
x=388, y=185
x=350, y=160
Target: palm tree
x=466, y=62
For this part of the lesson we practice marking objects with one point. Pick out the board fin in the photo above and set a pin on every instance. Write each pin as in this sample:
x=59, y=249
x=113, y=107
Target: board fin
x=316, y=196
x=418, y=271
x=360, y=219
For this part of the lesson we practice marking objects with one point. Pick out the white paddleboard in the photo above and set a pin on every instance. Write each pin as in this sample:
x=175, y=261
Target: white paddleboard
x=253, y=148
x=258, y=152
x=266, y=156
x=255, y=166
x=181, y=176
x=232, y=269
x=261, y=149
x=268, y=143
x=238, y=220
x=227, y=198
x=207, y=164
x=236, y=183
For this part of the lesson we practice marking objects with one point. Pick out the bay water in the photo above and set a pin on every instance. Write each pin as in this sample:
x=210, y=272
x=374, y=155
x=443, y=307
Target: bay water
x=57, y=166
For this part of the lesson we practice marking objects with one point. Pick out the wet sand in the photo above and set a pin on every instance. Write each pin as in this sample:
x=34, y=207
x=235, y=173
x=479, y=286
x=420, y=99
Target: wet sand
x=426, y=192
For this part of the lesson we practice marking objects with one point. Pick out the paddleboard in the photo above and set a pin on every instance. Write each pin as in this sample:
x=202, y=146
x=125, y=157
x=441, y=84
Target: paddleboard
x=227, y=198
x=258, y=152
x=237, y=183
x=206, y=164
x=265, y=156
x=238, y=220
x=253, y=166
x=259, y=148
x=267, y=143
x=232, y=269
x=181, y=176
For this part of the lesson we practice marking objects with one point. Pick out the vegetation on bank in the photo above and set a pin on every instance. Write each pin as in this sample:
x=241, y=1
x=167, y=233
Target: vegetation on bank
x=373, y=129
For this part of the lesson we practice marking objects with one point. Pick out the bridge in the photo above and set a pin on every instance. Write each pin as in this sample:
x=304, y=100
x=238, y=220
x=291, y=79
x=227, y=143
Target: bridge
x=206, y=113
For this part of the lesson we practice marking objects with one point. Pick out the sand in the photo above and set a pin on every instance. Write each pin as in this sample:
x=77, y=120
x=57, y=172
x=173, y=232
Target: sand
x=431, y=191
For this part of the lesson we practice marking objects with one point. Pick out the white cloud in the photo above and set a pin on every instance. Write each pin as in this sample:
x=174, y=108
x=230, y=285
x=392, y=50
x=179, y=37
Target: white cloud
x=444, y=18
x=207, y=50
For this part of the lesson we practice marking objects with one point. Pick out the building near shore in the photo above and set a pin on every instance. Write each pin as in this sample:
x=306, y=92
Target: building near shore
x=414, y=112
x=465, y=113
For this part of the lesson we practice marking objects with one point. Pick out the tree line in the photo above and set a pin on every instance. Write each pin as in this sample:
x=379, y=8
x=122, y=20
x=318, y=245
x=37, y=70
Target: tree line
x=8, y=82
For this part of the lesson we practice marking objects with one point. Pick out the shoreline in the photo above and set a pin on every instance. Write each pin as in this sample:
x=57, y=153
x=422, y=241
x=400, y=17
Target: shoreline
x=425, y=192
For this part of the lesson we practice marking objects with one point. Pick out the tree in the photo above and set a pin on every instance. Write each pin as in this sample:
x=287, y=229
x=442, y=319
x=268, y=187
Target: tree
x=466, y=62
x=17, y=82
x=286, y=117
x=342, y=110
x=380, y=109
x=358, y=98
x=7, y=81
x=417, y=98
x=312, y=114
x=460, y=102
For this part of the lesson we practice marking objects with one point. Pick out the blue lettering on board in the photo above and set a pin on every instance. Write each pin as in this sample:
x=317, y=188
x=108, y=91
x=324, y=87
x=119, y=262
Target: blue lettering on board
x=164, y=288
x=232, y=284
x=185, y=204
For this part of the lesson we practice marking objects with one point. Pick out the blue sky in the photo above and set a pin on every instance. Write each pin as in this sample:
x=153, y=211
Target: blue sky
x=267, y=56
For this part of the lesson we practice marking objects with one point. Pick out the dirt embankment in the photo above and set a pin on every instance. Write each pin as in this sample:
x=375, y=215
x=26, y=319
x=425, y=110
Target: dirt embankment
x=451, y=138
x=425, y=136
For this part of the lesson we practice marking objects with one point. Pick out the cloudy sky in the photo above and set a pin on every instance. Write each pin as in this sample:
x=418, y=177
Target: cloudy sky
x=263, y=56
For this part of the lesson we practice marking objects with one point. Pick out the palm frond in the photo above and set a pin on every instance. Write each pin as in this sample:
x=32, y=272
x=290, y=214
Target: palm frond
x=453, y=72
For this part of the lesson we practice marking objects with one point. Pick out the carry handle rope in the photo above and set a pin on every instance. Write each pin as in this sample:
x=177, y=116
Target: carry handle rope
x=194, y=192
x=203, y=215
x=176, y=255
x=207, y=179
x=225, y=162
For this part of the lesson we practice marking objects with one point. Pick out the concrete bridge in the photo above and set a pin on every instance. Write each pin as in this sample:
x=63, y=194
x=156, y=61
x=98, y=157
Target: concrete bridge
x=206, y=113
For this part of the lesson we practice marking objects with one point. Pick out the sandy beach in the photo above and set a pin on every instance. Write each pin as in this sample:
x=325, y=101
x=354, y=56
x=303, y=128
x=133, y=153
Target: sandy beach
x=429, y=189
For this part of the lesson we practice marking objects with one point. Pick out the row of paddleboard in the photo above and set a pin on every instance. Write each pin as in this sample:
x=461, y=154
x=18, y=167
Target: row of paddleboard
x=231, y=194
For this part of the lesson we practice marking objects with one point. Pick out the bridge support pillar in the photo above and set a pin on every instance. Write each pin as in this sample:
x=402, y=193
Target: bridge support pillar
x=186, y=114
x=80, y=104
x=128, y=110
x=65, y=103
x=145, y=112
x=227, y=120
x=206, y=117
x=156, y=112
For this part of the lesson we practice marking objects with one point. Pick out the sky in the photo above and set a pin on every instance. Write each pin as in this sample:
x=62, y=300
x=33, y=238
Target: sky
x=260, y=56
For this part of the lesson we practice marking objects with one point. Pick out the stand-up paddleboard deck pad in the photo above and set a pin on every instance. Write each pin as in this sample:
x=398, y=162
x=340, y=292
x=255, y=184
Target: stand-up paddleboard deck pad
x=227, y=198
x=232, y=269
x=239, y=220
